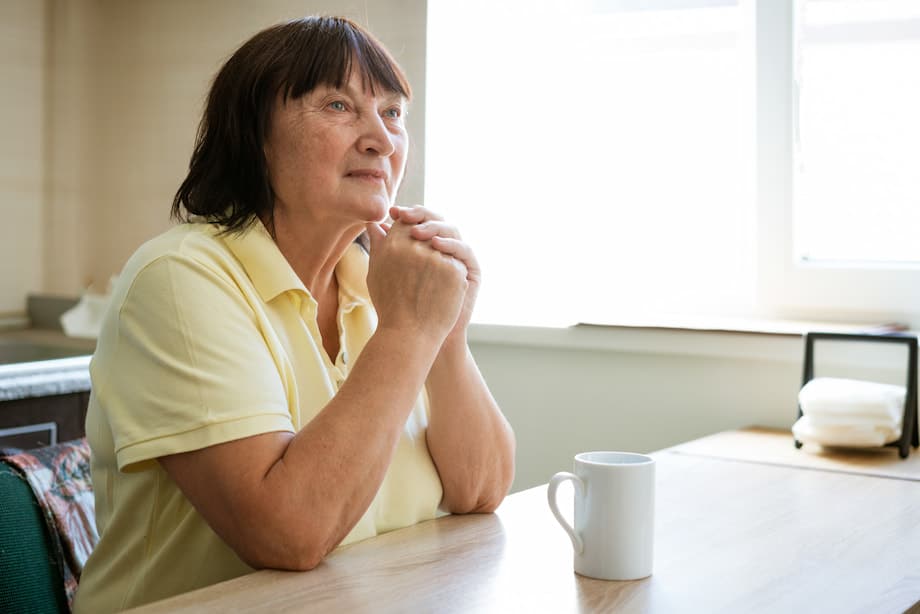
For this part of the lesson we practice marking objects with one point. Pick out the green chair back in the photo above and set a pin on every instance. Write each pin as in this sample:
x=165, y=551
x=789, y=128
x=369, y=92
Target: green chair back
x=30, y=572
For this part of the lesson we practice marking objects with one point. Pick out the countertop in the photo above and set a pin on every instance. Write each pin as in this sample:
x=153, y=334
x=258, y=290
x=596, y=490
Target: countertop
x=62, y=369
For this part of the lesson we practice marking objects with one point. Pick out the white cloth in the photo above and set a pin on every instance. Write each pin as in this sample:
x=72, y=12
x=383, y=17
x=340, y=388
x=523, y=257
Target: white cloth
x=851, y=435
x=846, y=412
x=85, y=318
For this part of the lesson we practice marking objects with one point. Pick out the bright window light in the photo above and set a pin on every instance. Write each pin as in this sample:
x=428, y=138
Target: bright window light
x=598, y=155
x=857, y=183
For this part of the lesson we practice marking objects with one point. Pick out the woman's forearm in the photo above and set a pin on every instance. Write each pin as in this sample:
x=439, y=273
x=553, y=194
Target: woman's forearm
x=339, y=460
x=285, y=501
x=470, y=441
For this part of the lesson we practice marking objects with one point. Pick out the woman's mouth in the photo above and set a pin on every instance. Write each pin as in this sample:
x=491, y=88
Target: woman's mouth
x=370, y=175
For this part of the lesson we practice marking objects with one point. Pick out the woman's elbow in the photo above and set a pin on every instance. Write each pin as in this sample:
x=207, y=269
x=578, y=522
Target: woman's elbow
x=489, y=504
x=483, y=499
x=484, y=503
x=301, y=561
x=289, y=553
x=492, y=499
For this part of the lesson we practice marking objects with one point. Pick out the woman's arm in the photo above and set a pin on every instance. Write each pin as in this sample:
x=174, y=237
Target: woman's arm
x=285, y=500
x=469, y=439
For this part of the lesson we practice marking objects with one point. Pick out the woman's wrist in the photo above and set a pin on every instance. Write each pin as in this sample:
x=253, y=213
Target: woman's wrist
x=422, y=350
x=451, y=356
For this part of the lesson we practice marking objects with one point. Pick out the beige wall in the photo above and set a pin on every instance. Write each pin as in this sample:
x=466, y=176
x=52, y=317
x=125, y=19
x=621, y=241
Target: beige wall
x=93, y=165
x=22, y=149
x=564, y=401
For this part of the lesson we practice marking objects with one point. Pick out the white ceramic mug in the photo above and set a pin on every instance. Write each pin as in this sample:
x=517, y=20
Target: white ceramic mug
x=614, y=514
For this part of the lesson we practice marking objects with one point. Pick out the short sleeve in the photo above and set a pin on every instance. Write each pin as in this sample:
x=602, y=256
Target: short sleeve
x=187, y=364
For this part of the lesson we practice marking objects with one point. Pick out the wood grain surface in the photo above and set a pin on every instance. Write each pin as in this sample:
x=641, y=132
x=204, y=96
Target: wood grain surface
x=730, y=537
x=771, y=446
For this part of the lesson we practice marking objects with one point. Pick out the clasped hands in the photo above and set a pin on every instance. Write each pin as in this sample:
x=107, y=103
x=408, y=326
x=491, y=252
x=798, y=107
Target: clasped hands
x=422, y=276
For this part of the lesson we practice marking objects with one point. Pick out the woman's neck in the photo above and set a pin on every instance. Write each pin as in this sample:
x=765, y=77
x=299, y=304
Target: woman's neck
x=312, y=248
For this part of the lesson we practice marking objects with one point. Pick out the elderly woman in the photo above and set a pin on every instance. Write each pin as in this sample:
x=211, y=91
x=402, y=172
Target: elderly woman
x=285, y=373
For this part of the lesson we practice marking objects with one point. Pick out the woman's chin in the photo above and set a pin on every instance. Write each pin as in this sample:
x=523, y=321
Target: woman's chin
x=367, y=208
x=377, y=209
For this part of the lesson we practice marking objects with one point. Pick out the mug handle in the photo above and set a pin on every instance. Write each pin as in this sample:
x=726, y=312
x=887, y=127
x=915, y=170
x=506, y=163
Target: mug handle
x=554, y=483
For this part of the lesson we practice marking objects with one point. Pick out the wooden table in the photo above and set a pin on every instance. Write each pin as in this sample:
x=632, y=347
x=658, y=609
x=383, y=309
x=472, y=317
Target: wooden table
x=760, y=445
x=730, y=537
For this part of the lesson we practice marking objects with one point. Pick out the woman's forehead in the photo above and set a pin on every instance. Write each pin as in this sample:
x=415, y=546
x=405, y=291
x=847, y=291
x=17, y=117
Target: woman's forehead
x=358, y=84
x=359, y=81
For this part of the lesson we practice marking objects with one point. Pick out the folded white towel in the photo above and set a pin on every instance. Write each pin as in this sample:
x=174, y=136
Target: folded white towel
x=831, y=396
x=865, y=435
x=839, y=420
x=847, y=412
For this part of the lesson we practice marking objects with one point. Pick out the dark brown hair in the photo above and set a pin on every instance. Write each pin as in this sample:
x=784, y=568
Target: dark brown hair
x=227, y=181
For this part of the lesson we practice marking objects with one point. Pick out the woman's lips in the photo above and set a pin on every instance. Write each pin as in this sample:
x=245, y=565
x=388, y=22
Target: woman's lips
x=368, y=174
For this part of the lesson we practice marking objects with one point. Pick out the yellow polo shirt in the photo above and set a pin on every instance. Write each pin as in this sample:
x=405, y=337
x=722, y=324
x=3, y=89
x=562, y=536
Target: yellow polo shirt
x=211, y=338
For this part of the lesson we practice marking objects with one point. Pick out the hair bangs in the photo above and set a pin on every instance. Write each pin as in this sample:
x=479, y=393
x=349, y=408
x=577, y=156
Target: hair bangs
x=324, y=51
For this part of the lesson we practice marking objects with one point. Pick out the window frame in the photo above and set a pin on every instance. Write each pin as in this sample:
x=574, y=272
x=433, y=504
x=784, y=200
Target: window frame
x=788, y=288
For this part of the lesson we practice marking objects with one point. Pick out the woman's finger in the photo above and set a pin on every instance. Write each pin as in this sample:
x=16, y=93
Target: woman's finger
x=430, y=229
x=413, y=215
x=459, y=250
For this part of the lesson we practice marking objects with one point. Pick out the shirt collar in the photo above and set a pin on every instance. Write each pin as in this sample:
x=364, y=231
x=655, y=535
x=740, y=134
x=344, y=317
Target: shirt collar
x=272, y=275
x=264, y=263
x=351, y=273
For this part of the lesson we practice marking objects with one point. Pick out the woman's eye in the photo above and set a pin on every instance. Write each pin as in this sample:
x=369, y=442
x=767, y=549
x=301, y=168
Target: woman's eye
x=337, y=105
x=393, y=113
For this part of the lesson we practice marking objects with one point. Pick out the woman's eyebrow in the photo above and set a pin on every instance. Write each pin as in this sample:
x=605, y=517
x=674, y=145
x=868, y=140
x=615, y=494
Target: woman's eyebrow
x=387, y=95
x=394, y=97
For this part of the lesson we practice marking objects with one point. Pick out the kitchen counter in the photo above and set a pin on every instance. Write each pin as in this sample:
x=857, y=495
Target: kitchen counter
x=42, y=362
x=44, y=377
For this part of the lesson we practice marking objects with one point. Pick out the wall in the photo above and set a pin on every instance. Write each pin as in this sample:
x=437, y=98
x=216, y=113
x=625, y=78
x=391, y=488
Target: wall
x=127, y=81
x=22, y=149
x=562, y=402
x=573, y=390
x=71, y=162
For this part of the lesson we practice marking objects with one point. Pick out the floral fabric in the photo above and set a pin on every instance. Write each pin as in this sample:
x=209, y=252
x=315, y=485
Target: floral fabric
x=59, y=476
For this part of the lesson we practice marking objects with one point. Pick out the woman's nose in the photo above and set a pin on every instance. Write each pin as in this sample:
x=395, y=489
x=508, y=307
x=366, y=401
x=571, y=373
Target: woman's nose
x=375, y=138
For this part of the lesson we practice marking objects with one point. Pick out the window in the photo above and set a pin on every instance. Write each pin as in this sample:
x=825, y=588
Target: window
x=613, y=158
x=839, y=201
x=857, y=151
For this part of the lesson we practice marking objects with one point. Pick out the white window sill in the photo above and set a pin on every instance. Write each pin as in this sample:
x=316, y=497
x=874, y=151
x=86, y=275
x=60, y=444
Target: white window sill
x=770, y=340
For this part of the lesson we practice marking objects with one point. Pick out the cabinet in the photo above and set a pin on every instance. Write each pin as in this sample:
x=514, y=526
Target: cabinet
x=41, y=421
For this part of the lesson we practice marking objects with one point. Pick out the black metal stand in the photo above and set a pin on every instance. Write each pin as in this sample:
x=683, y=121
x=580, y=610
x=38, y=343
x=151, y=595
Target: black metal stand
x=909, y=429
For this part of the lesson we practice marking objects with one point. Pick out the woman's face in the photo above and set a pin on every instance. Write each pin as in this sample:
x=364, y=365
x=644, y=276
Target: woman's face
x=337, y=154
